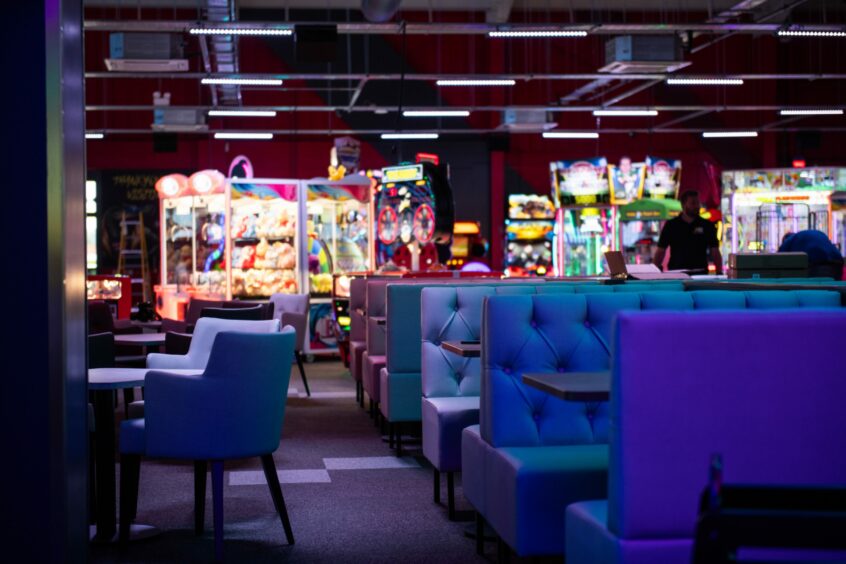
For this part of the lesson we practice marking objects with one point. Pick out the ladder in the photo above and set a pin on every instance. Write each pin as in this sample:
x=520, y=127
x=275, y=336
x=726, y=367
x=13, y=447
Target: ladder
x=135, y=262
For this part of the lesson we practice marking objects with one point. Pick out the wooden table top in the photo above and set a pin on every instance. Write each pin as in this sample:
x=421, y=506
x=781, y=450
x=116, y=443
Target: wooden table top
x=572, y=386
x=467, y=349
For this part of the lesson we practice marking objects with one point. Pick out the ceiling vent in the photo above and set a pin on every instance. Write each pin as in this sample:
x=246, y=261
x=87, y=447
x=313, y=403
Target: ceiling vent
x=643, y=54
x=526, y=121
x=146, y=52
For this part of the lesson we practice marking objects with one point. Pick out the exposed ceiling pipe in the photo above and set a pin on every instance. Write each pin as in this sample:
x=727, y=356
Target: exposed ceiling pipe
x=685, y=118
x=442, y=28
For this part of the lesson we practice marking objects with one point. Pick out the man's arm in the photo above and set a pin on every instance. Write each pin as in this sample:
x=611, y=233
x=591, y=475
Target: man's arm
x=717, y=259
x=658, y=259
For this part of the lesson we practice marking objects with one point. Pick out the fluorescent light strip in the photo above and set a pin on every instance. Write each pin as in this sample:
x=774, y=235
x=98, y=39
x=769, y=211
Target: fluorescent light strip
x=263, y=136
x=706, y=81
x=238, y=31
x=570, y=135
x=718, y=134
x=810, y=33
x=477, y=82
x=242, y=113
x=436, y=113
x=539, y=33
x=94, y=135
x=244, y=81
x=811, y=112
x=409, y=136
x=600, y=113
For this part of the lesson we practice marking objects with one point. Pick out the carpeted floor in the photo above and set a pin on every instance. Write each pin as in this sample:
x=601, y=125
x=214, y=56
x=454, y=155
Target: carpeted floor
x=348, y=497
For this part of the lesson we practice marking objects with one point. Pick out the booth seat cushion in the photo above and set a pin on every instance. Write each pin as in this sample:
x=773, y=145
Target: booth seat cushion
x=527, y=490
x=357, y=349
x=589, y=540
x=133, y=436
x=399, y=396
x=444, y=419
x=370, y=375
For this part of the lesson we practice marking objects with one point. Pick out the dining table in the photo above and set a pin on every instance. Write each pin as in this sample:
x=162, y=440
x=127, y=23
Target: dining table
x=467, y=349
x=572, y=386
x=102, y=383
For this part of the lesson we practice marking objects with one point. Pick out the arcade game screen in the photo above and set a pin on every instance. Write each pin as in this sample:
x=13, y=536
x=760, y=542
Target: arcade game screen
x=529, y=232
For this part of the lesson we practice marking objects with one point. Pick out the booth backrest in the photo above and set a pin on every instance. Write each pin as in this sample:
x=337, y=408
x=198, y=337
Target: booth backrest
x=770, y=403
x=375, y=307
x=572, y=333
x=358, y=301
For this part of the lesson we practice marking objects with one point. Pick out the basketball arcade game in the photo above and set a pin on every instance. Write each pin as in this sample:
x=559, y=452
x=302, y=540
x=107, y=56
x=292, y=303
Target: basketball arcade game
x=414, y=215
x=586, y=222
x=529, y=232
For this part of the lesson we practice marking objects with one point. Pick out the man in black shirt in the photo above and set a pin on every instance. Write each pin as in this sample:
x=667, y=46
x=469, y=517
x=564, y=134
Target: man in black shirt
x=690, y=239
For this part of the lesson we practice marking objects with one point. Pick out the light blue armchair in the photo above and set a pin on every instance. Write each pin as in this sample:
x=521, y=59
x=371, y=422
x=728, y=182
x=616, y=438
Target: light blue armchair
x=233, y=410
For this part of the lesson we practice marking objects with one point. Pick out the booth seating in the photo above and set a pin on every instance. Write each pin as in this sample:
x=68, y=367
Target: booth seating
x=373, y=360
x=533, y=454
x=358, y=333
x=669, y=415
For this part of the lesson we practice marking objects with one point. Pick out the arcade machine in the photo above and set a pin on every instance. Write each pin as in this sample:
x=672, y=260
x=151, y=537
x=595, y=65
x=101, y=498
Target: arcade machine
x=469, y=249
x=337, y=236
x=640, y=227
x=414, y=212
x=263, y=227
x=529, y=232
x=759, y=207
x=114, y=289
x=586, y=222
x=193, y=235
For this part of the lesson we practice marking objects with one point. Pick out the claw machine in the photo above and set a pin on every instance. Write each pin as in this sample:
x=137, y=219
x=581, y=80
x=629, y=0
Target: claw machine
x=264, y=237
x=760, y=207
x=337, y=237
x=193, y=240
x=586, y=221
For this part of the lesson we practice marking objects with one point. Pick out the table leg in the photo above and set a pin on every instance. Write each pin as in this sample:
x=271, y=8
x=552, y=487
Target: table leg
x=104, y=446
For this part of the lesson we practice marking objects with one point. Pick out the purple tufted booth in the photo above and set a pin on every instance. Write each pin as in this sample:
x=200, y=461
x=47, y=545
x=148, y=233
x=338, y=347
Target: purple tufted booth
x=770, y=404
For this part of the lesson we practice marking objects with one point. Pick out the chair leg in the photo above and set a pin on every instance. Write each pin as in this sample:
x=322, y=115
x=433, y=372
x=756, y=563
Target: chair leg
x=217, y=504
x=276, y=493
x=299, y=356
x=200, y=469
x=130, y=472
x=128, y=397
x=92, y=481
x=503, y=551
x=437, y=491
x=451, y=495
x=398, y=427
x=390, y=436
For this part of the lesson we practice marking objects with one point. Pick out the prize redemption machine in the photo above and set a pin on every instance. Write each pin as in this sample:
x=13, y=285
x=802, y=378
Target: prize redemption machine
x=640, y=227
x=586, y=222
x=529, y=233
x=193, y=235
x=337, y=237
x=760, y=207
x=414, y=215
x=264, y=238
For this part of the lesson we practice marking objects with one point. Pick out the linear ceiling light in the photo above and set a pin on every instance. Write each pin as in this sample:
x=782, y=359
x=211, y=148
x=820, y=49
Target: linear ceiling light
x=819, y=112
x=409, y=136
x=238, y=31
x=94, y=135
x=810, y=33
x=705, y=81
x=242, y=113
x=539, y=33
x=244, y=81
x=600, y=113
x=436, y=113
x=477, y=82
x=223, y=135
x=570, y=135
x=716, y=134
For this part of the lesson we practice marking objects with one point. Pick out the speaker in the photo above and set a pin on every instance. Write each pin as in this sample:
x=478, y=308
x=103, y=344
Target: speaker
x=316, y=43
x=164, y=142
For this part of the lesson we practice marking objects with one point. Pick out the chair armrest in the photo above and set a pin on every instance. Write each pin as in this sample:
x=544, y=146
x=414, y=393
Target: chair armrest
x=177, y=343
x=299, y=322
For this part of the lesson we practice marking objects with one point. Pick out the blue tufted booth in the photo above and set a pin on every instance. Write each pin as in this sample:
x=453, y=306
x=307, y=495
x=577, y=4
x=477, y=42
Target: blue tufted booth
x=451, y=383
x=358, y=333
x=666, y=423
x=534, y=454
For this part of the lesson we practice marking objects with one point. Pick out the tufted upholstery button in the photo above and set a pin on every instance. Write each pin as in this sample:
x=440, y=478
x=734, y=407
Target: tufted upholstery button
x=534, y=324
x=536, y=416
x=507, y=370
x=561, y=369
x=587, y=323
